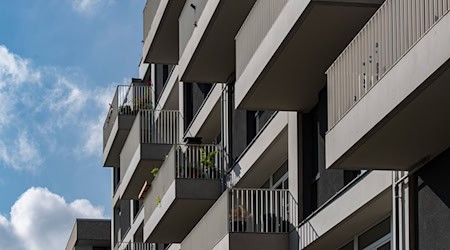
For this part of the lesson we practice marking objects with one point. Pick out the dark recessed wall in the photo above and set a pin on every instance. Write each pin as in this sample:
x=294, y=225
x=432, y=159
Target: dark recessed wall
x=319, y=183
x=433, y=208
x=194, y=96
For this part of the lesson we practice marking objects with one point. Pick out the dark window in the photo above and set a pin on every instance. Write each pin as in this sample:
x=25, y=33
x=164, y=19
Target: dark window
x=188, y=104
x=116, y=177
x=251, y=126
x=350, y=175
x=349, y=246
x=374, y=234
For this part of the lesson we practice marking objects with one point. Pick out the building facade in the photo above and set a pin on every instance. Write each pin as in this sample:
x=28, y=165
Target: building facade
x=90, y=234
x=284, y=124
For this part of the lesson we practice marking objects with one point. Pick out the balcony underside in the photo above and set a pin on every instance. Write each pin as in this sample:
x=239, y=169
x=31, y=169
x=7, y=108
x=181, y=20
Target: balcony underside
x=210, y=55
x=116, y=140
x=287, y=71
x=161, y=43
x=146, y=158
x=206, y=123
x=368, y=202
x=403, y=121
x=182, y=206
x=268, y=152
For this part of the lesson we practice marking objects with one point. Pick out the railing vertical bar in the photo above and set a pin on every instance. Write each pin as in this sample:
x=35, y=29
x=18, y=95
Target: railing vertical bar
x=233, y=208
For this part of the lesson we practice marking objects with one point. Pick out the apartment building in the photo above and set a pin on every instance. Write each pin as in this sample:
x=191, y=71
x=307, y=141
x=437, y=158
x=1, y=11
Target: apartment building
x=90, y=234
x=284, y=124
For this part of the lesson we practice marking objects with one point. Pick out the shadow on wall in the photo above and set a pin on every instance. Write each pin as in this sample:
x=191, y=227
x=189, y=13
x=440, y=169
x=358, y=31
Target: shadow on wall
x=435, y=176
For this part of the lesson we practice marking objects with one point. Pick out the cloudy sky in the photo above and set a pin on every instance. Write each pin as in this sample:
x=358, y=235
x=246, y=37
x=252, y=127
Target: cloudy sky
x=59, y=63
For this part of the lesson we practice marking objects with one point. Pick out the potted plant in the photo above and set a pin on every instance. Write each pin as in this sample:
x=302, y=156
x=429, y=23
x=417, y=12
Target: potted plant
x=238, y=219
x=207, y=161
x=125, y=109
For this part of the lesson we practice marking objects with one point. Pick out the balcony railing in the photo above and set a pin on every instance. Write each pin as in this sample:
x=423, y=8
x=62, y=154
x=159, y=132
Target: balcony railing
x=255, y=28
x=135, y=246
x=159, y=126
x=394, y=29
x=149, y=15
x=262, y=211
x=128, y=100
x=199, y=162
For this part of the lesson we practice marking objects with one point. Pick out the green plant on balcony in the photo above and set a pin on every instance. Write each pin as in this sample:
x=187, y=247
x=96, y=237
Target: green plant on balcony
x=125, y=109
x=207, y=158
x=158, y=201
x=142, y=102
x=154, y=172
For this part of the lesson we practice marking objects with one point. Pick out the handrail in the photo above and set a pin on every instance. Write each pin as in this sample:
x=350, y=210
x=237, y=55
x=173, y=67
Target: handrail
x=262, y=210
x=159, y=126
x=135, y=246
x=199, y=161
x=128, y=100
x=392, y=31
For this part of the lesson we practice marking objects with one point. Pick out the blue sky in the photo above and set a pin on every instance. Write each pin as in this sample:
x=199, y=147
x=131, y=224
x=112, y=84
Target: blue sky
x=59, y=63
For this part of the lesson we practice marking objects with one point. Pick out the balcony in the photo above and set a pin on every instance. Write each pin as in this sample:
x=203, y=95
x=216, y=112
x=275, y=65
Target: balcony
x=161, y=31
x=135, y=246
x=186, y=186
x=251, y=219
x=150, y=139
x=284, y=47
x=127, y=102
x=388, y=89
x=206, y=26
x=364, y=202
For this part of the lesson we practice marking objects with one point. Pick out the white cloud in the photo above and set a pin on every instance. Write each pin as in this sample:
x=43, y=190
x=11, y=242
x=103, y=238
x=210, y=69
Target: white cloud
x=8, y=239
x=94, y=137
x=94, y=129
x=23, y=154
x=88, y=6
x=61, y=101
x=40, y=220
x=14, y=69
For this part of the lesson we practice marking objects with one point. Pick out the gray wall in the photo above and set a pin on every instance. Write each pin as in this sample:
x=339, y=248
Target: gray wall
x=319, y=184
x=245, y=126
x=194, y=96
x=433, y=209
x=124, y=220
x=162, y=73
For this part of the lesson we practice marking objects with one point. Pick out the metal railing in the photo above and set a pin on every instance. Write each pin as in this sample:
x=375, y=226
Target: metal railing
x=307, y=234
x=135, y=246
x=160, y=126
x=394, y=29
x=262, y=211
x=128, y=100
x=199, y=162
x=149, y=15
x=255, y=28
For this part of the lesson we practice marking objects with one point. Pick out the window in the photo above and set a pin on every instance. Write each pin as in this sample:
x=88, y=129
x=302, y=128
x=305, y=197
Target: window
x=376, y=238
x=279, y=179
